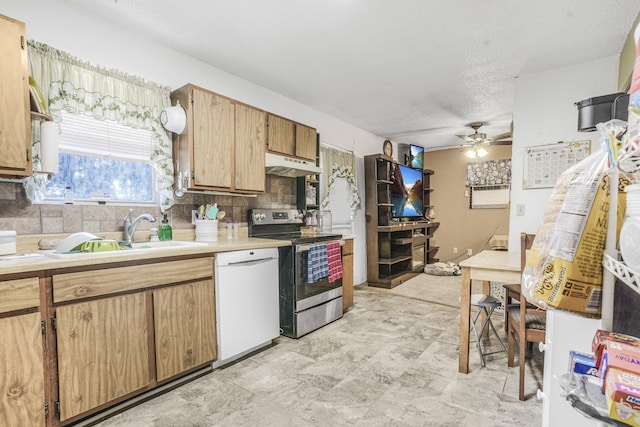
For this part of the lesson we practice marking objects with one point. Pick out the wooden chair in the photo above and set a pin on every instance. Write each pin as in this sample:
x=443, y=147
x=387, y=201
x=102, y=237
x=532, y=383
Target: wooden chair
x=526, y=323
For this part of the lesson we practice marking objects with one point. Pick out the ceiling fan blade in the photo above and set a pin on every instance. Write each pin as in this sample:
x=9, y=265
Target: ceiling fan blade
x=466, y=138
x=503, y=139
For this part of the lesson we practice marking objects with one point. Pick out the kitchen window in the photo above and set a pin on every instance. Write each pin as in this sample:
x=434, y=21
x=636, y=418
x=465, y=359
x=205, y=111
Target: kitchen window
x=102, y=160
x=112, y=144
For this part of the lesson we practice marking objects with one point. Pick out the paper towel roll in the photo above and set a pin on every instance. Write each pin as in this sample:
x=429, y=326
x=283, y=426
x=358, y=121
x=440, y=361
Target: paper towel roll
x=49, y=147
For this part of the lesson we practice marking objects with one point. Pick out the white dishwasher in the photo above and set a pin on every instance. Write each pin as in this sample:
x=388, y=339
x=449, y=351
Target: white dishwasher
x=247, y=302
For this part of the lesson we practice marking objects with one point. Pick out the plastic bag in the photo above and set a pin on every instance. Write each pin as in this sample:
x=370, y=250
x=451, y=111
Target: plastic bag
x=564, y=265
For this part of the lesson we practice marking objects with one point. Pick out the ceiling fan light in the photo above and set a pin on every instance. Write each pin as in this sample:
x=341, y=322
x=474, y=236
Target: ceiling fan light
x=470, y=153
x=482, y=152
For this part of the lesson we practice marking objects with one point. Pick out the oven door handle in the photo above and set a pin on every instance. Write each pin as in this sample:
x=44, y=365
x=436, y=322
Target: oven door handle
x=306, y=247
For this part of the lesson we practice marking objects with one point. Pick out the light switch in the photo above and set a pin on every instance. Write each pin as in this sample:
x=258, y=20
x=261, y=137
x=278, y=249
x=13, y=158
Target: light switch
x=519, y=210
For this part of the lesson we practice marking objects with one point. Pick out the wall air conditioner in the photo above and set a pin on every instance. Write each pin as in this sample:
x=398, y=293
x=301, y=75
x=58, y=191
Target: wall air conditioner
x=489, y=196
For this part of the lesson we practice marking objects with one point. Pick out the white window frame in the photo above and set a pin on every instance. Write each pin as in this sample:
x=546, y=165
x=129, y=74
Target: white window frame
x=94, y=137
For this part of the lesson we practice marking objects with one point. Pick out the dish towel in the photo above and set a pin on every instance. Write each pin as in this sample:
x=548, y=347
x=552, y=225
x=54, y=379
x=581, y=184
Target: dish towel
x=335, y=261
x=317, y=264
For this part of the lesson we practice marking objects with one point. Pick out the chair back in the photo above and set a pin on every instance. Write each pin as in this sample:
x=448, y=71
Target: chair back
x=526, y=241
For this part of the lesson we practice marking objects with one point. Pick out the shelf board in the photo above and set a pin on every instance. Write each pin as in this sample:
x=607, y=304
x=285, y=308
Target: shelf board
x=403, y=241
x=428, y=171
x=622, y=272
x=419, y=240
x=433, y=249
x=393, y=280
x=394, y=260
x=389, y=205
x=384, y=181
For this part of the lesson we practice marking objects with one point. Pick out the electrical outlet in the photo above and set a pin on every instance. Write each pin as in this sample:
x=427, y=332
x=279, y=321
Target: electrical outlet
x=454, y=250
x=469, y=251
x=194, y=216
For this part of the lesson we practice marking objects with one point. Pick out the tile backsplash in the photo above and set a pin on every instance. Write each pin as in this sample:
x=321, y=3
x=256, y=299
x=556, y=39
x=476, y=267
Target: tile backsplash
x=17, y=213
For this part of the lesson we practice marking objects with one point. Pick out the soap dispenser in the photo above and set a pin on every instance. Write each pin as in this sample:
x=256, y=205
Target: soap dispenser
x=165, y=232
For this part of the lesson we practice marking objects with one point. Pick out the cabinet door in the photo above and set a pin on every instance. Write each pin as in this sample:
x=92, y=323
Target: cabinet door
x=103, y=351
x=15, y=123
x=185, y=330
x=213, y=138
x=21, y=371
x=281, y=135
x=250, y=149
x=347, y=274
x=306, y=142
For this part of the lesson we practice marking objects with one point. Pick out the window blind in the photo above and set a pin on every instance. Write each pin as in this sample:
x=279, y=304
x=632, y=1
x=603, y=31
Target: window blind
x=88, y=136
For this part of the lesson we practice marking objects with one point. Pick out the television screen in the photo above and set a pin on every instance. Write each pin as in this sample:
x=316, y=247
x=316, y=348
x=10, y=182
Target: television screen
x=406, y=193
x=416, y=157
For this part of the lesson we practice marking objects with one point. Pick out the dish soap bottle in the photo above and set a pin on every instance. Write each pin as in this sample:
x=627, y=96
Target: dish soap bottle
x=165, y=232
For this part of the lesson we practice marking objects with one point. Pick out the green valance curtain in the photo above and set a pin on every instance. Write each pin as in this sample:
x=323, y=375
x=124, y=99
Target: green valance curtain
x=70, y=84
x=337, y=164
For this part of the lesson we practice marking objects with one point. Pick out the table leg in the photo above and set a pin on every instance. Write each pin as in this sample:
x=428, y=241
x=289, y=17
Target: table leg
x=465, y=315
x=486, y=289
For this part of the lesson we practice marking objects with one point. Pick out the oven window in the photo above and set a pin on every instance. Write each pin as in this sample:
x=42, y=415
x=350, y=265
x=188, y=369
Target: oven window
x=306, y=288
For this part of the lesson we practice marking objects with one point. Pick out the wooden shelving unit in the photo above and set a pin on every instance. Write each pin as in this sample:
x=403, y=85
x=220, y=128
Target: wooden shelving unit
x=308, y=192
x=396, y=251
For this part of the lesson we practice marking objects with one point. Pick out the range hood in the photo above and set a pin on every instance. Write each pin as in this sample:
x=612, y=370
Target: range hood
x=288, y=166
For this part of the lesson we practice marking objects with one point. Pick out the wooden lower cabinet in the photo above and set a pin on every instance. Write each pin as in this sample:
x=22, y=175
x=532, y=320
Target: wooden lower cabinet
x=22, y=396
x=103, y=351
x=123, y=330
x=185, y=335
x=347, y=274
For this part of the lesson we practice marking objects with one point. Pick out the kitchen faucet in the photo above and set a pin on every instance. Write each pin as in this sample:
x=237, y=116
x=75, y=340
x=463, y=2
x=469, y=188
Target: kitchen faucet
x=130, y=226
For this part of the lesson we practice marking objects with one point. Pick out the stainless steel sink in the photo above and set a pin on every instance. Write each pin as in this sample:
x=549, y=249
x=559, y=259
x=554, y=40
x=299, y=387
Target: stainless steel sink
x=135, y=247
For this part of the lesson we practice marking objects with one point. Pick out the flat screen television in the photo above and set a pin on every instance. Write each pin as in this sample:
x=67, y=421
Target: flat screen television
x=416, y=157
x=406, y=193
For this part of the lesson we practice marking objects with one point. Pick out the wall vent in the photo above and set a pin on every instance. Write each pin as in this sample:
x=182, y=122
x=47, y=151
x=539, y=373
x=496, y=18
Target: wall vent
x=489, y=196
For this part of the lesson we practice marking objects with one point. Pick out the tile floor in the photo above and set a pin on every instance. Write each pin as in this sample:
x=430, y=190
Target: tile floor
x=390, y=361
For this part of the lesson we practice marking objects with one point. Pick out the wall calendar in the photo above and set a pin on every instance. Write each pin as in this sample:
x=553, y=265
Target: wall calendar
x=543, y=164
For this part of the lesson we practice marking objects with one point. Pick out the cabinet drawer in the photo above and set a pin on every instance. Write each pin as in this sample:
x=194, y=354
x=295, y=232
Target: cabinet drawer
x=71, y=286
x=18, y=294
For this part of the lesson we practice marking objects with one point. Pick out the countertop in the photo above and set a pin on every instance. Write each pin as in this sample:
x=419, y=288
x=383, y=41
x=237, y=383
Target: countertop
x=45, y=260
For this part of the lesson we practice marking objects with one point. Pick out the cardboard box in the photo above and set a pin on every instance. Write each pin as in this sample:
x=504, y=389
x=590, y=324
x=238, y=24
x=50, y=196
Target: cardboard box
x=600, y=338
x=622, y=393
x=621, y=356
x=583, y=364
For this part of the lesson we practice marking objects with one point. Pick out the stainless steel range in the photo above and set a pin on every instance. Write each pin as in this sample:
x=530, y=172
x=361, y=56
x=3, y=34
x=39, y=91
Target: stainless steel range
x=306, y=303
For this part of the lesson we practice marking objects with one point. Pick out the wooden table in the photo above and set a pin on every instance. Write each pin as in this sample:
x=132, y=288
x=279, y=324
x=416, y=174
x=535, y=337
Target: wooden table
x=488, y=266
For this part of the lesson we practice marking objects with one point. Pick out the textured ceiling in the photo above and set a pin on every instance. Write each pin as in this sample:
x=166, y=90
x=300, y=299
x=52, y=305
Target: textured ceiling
x=410, y=70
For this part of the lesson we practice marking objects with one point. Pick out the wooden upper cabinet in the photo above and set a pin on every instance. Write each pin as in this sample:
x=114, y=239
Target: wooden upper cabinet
x=306, y=146
x=15, y=117
x=282, y=135
x=250, y=149
x=223, y=145
x=291, y=139
x=213, y=139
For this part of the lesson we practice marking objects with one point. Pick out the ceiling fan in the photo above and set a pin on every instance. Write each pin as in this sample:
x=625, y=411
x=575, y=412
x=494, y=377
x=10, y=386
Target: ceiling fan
x=476, y=138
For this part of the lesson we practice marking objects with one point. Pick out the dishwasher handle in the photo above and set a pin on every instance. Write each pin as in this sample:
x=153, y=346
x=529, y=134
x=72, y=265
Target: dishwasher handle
x=245, y=256
x=247, y=263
